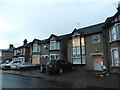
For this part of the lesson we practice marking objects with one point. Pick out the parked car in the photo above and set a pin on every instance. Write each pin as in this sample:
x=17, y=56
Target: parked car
x=7, y=65
x=24, y=65
x=59, y=66
x=2, y=65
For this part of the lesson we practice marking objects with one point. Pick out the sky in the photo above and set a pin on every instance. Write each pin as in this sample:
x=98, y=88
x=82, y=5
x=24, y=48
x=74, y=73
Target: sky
x=29, y=19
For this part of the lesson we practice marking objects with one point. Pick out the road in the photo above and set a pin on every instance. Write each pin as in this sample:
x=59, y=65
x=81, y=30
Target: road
x=16, y=81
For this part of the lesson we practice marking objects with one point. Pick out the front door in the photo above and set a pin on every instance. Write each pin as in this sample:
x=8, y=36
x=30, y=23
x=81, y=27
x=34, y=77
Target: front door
x=97, y=63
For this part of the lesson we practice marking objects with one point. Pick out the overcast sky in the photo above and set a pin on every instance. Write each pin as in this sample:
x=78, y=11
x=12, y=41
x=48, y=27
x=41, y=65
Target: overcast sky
x=31, y=19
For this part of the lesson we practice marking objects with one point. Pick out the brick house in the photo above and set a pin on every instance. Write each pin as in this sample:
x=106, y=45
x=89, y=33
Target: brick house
x=24, y=52
x=111, y=32
x=53, y=48
x=7, y=54
x=85, y=48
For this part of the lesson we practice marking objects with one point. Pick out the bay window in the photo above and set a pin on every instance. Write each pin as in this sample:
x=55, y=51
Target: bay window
x=78, y=49
x=54, y=45
x=115, y=32
x=115, y=57
x=36, y=59
x=36, y=48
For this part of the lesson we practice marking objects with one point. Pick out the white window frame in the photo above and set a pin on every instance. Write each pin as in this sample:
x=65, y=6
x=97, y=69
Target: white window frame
x=22, y=59
x=114, y=35
x=35, y=47
x=93, y=38
x=57, y=45
x=54, y=56
x=76, y=51
x=38, y=48
x=24, y=51
x=116, y=26
x=113, y=61
x=15, y=52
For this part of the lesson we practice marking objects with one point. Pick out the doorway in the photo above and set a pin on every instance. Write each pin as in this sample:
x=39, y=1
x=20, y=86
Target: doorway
x=97, y=63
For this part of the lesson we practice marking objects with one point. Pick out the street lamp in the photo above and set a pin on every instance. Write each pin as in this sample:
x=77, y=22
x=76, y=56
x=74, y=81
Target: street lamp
x=45, y=47
x=42, y=66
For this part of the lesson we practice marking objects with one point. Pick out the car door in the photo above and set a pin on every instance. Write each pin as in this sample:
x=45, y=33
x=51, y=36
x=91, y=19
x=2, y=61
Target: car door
x=62, y=64
x=65, y=65
x=68, y=65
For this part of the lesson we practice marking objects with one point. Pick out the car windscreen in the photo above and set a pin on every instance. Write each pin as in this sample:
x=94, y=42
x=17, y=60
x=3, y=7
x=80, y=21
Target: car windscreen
x=6, y=62
x=17, y=62
x=53, y=62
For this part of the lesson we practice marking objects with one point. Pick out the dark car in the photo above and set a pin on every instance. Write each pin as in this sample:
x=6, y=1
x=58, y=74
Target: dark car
x=59, y=66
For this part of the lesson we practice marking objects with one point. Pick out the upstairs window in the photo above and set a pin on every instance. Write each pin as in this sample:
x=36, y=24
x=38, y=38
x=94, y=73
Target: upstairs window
x=96, y=39
x=54, y=45
x=15, y=52
x=78, y=50
x=113, y=34
x=36, y=48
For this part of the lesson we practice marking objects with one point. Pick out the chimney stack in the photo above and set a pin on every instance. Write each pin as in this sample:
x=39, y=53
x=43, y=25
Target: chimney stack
x=25, y=42
x=11, y=46
x=118, y=6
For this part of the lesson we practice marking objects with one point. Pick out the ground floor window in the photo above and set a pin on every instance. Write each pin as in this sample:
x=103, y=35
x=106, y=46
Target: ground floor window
x=115, y=57
x=54, y=56
x=78, y=55
x=22, y=59
x=36, y=59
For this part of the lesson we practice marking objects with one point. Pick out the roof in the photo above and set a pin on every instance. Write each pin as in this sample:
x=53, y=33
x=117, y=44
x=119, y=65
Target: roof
x=110, y=19
x=28, y=45
x=92, y=29
x=38, y=41
x=9, y=50
x=59, y=37
x=45, y=41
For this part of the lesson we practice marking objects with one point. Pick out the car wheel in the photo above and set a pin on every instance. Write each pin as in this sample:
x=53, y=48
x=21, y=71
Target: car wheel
x=73, y=67
x=60, y=70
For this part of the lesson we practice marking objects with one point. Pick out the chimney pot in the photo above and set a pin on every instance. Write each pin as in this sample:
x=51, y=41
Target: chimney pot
x=25, y=42
x=11, y=46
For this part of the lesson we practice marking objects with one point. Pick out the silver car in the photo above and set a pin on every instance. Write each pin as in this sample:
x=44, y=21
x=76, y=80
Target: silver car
x=8, y=65
x=23, y=65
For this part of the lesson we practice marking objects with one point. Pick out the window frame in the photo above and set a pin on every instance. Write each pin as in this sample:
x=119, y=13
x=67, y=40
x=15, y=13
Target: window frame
x=77, y=55
x=55, y=58
x=93, y=39
x=36, y=47
x=57, y=45
x=116, y=26
x=113, y=59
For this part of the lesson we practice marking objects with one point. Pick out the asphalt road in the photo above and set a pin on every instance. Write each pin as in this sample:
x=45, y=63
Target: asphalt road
x=15, y=81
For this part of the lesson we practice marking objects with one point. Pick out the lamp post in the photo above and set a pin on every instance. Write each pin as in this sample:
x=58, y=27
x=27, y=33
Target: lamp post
x=45, y=47
x=42, y=69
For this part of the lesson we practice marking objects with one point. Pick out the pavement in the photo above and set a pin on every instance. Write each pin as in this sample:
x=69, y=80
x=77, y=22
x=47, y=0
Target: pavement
x=76, y=77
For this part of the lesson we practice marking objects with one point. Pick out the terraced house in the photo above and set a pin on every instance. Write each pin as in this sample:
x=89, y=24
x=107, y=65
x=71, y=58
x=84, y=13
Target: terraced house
x=7, y=54
x=53, y=48
x=85, y=48
x=111, y=32
x=24, y=52
x=96, y=47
